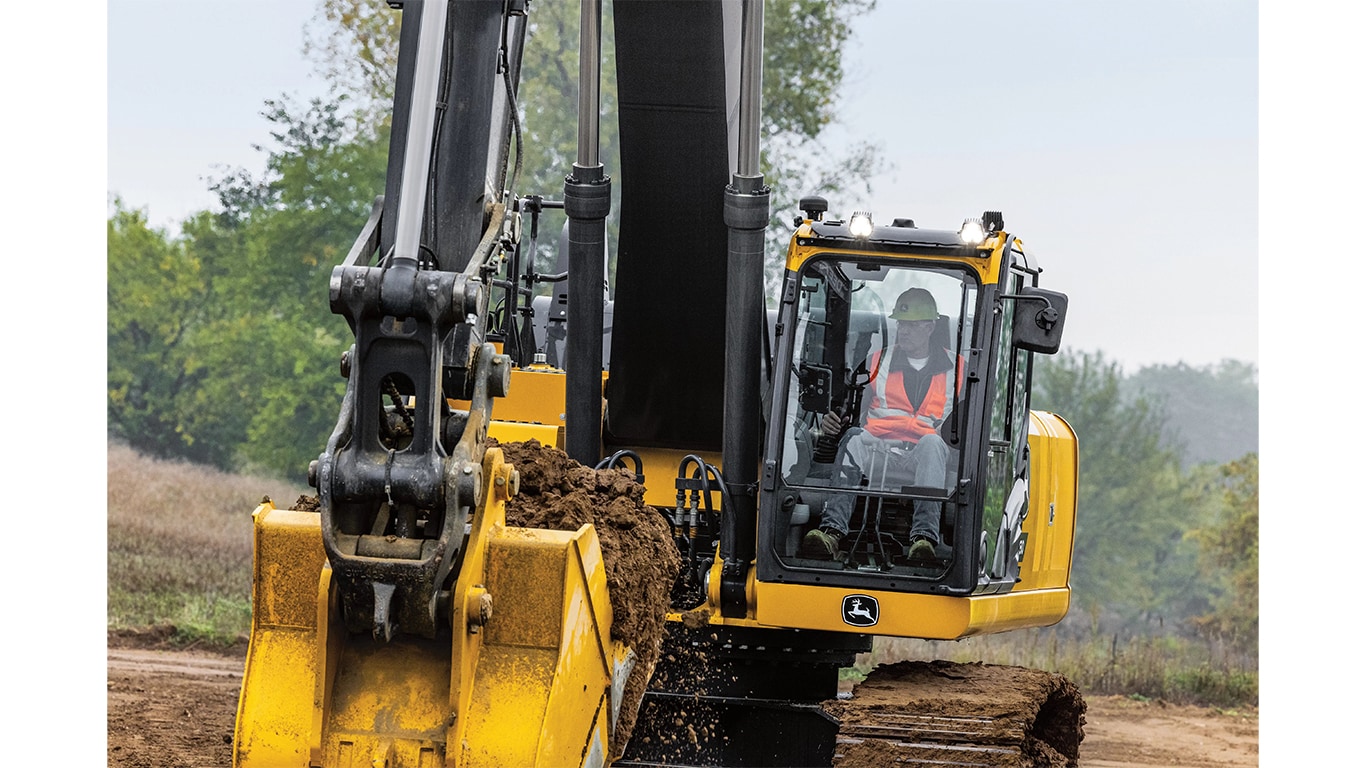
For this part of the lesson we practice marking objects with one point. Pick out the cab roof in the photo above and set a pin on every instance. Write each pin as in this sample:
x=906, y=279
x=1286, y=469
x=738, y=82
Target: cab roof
x=895, y=238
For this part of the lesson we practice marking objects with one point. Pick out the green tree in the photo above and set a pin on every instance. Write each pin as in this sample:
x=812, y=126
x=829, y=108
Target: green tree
x=1133, y=560
x=152, y=289
x=222, y=347
x=1231, y=546
x=800, y=100
x=277, y=353
x=160, y=302
x=354, y=45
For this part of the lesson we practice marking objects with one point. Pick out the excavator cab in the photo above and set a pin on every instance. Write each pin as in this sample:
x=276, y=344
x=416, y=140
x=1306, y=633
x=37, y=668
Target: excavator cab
x=918, y=344
x=886, y=482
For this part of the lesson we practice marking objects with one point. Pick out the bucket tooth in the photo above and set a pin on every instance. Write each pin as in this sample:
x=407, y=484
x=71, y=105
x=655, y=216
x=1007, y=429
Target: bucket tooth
x=384, y=627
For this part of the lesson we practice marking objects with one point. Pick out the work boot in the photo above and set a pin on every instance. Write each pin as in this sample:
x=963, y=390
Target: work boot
x=921, y=549
x=820, y=544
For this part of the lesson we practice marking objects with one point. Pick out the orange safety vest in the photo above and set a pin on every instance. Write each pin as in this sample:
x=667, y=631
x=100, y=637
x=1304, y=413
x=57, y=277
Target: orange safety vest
x=891, y=416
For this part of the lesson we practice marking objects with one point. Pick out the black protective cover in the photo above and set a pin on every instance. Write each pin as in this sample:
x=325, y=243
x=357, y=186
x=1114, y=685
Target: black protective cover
x=668, y=343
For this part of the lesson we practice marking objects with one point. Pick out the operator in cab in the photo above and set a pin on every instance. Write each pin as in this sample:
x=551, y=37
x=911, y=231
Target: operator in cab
x=899, y=438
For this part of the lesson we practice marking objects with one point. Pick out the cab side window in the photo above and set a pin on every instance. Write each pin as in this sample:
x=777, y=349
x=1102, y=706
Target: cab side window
x=1006, y=463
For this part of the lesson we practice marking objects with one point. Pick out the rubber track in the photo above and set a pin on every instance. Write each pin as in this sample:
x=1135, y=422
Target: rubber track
x=944, y=714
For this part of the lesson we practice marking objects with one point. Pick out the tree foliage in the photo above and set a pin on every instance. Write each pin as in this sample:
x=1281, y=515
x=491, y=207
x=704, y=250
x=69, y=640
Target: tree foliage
x=800, y=100
x=1231, y=544
x=322, y=176
x=1212, y=410
x=155, y=300
x=222, y=348
x=354, y=45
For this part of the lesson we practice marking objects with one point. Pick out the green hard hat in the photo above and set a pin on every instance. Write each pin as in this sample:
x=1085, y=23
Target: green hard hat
x=915, y=304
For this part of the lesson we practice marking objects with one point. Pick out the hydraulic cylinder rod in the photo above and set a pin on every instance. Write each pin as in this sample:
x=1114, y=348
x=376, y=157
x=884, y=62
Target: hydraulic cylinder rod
x=746, y=214
x=587, y=201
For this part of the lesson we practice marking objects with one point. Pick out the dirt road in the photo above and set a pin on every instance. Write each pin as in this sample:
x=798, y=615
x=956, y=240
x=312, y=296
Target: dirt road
x=175, y=709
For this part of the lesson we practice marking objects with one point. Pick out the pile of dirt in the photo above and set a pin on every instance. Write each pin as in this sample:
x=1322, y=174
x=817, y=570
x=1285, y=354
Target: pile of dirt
x=638, y=552
x=1010, y=716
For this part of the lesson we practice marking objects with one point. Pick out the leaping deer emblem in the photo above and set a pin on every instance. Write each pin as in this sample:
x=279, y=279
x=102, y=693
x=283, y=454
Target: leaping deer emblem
x=855, y=610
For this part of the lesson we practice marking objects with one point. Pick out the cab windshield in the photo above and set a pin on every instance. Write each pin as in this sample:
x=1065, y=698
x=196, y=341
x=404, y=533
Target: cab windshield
x=874, y=412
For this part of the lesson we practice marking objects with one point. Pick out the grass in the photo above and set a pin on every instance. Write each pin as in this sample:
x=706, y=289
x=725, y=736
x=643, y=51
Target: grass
x=180, y=556
x=1182, y=670
x=179, y=545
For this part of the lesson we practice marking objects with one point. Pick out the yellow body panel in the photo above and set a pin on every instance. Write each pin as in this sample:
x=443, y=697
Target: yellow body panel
x=524, y=678
x=660, y=467
x=933, y=617
x=1052, y=519
x=520, y=432
x=539, y=397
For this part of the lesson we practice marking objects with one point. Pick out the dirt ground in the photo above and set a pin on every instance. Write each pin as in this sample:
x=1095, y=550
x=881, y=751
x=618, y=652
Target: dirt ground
x=171, y=708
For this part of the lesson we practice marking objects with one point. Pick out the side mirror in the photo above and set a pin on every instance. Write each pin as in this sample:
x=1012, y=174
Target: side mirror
x=1039, y=316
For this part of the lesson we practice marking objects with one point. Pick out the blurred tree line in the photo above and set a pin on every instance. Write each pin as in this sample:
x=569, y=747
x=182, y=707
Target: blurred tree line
x=1162, y=544
x=222, y=349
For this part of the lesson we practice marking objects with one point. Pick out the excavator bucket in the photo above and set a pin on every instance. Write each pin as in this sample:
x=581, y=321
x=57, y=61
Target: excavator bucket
x=528, y=636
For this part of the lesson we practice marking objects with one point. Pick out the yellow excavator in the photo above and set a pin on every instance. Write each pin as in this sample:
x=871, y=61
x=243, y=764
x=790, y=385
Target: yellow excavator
x=403, y=621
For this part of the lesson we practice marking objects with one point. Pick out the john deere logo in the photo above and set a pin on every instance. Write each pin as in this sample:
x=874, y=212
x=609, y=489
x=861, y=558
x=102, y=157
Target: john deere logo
x=860, y=610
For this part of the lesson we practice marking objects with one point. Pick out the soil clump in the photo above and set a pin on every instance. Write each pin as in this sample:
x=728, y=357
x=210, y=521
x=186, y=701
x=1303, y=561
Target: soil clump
x=307, y=504
x=638, y=551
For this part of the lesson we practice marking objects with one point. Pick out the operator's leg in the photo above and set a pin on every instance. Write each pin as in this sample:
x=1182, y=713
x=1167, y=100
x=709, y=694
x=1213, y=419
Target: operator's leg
x=850, y=461
x=929, y=460
x=823, y=543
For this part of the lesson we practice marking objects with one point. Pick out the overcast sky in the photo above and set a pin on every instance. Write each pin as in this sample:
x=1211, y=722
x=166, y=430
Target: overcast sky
x=1118, y=139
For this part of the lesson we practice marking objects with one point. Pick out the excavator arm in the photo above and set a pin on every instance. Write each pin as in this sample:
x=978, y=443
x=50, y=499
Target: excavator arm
x=401, y=474
x=402, y=623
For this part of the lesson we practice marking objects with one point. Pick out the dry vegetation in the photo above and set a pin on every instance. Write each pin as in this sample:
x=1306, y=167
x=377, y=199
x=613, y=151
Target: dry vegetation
x=1174, y=669
x=180, y=544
